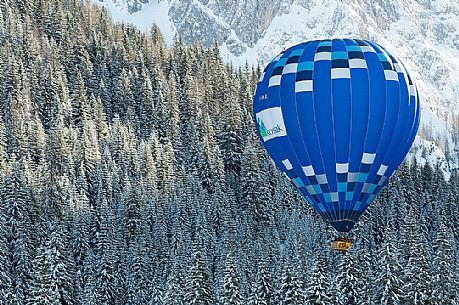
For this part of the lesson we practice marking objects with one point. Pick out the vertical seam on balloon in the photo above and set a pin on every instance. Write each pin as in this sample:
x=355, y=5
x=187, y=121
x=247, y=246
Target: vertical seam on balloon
x=301, y=135
x=332, y=214
x=412, y=134
x=348, y=209
x=328, y=213
x=399, y=152
x=317, y=132
x=385, y=122
x=404, y=149
x=340, y=214
x=368, y=125
x=384, y=126
x=288, y=137
x=286, y=53
x=399, y=119
x=351, y=212
x=305, y=148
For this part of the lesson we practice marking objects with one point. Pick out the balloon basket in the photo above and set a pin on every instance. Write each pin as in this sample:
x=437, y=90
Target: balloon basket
x=341, y=244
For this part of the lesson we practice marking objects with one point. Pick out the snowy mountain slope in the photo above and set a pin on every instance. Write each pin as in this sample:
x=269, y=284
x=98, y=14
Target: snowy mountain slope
x=424, y=33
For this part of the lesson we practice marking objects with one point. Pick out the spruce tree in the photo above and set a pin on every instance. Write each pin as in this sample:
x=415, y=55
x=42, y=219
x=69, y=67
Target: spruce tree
x=290, y=291
x=416, y=273
x=42, y=288
x=262, y=292
x=444, y=282
x=137, y=272
x=104, y=268
x=318, y=288
x=16, y=219
x=346, y=281
x=6, y=293
x=388, y=279
x=198, y=289
x=232, y=284
x=174, y=286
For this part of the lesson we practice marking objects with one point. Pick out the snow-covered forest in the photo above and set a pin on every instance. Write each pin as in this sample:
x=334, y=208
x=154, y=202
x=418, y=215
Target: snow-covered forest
x=131, y=173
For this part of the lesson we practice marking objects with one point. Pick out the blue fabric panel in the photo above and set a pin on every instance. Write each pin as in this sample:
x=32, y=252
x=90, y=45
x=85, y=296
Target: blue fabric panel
x=392, y=104
x=360, y=95
x=342, y=186
x=392, y=155
x=377, y=102
x=337, y=117
x=409, y=133
x=308, y=64
x=324, y=120
x=283, y=146
x=341, y=105
x=290, y=113
x=376, y=114
x=298, y=156
x=306, y=118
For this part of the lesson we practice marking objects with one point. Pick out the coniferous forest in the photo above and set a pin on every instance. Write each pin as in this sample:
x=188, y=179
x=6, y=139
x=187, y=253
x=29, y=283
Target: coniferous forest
x=131, y=173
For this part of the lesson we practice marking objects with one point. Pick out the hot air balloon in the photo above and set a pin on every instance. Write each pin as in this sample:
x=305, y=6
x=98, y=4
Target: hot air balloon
x=337, y=117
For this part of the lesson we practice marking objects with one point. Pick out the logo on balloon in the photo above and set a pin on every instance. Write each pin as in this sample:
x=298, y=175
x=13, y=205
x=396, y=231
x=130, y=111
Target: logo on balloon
x=271, y=123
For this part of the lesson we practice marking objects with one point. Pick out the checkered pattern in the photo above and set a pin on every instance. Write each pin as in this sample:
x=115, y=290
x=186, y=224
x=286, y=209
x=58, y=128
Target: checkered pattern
x=317, y=186
x=303, y=80
x=345, y=58
x=342, y=62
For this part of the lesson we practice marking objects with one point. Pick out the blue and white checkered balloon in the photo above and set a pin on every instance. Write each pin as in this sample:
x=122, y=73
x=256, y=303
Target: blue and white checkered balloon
x=337, y=117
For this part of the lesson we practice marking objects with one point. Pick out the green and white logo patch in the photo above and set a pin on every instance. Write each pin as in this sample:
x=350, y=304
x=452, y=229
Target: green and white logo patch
x=270, y=123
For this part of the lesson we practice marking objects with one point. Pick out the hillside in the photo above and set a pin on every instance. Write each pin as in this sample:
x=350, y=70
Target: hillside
x=423, y=33
x=131, y=174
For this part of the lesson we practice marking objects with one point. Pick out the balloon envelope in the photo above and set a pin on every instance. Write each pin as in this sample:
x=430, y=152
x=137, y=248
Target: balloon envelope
x=337, y=117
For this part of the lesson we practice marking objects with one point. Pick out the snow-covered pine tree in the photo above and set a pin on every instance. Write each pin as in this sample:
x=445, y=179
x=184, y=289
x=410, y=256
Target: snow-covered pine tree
x=173, y=114
x=137, y=282
x=52, y=280
x=416, y=273
x=134, y=202
x=15, y=216
x=209, y=166
x=230, y=139
x=346, y=281
x=290, y=291
x=262, y=292
x=197, y=286
x=3, y=148
x=42, y=288
x=318, y=288
x=103, y=261
x=174, y=294
x=388, y=278
x=6, y=293
x=254, y=196
x=444, y=281
x=88, y=296
x=232, y=294
x=365, y=264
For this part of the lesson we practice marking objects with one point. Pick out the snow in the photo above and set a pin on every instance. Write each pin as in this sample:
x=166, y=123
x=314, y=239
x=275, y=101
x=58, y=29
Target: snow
x=433, y=156
x=250, y=56
x=151, y=13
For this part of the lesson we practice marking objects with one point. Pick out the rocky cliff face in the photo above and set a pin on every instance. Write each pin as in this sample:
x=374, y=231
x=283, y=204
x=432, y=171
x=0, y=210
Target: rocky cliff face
x=425, y=33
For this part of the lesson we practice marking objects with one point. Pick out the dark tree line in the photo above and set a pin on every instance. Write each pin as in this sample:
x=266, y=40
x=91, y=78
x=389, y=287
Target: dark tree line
x=130, y=173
